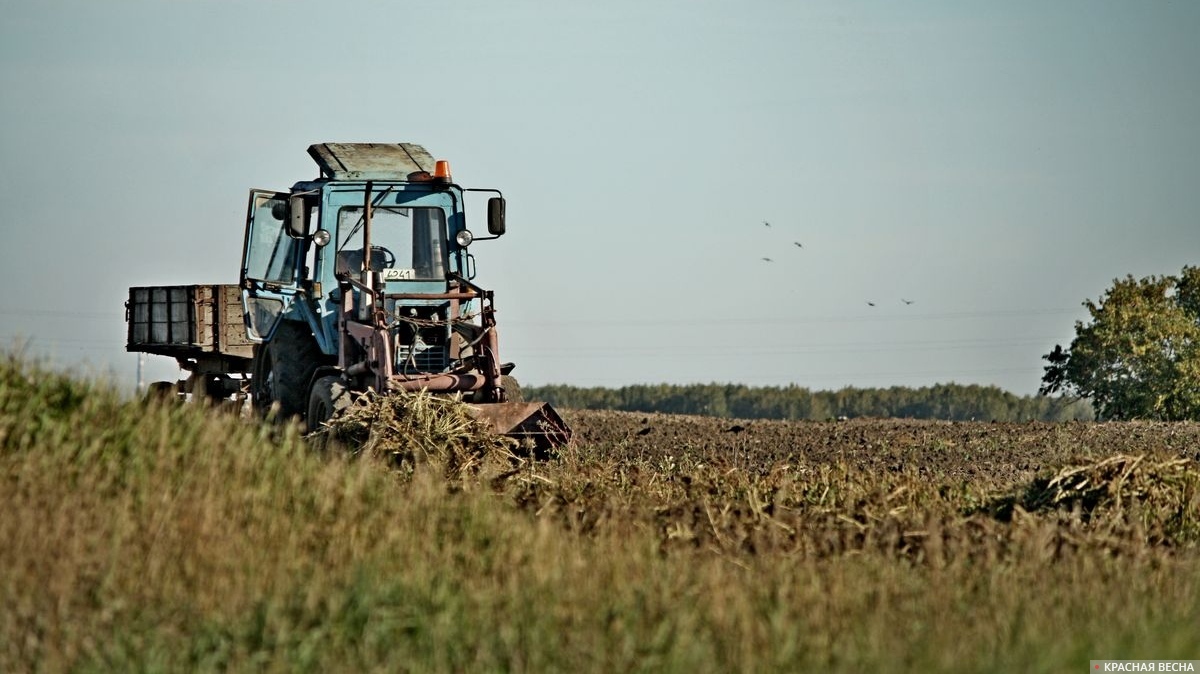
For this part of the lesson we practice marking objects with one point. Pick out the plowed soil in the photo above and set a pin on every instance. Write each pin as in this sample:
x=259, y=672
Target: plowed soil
x=930, y=492
x=996, y=454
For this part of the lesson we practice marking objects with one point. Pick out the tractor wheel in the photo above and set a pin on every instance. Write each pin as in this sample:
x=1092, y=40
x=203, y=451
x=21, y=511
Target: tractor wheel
x=282, y=370
x=329, y=397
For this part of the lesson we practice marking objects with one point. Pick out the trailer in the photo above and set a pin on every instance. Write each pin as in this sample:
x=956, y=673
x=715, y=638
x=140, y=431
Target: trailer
x=202, y=328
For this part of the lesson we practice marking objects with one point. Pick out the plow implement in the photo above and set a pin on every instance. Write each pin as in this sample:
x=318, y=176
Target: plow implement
x=535, y=426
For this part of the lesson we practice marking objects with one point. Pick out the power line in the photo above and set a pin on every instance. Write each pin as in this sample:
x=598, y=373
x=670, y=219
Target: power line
x=808, y=379
x=790, y=320
x=716, y=350
x=54, y=313
x=25, y=338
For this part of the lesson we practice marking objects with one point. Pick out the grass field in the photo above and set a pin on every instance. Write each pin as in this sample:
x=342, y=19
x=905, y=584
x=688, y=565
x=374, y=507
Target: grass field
x=174, y=538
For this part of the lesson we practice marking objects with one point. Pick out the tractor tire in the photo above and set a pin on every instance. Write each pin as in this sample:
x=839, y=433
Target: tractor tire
x=329, y=397
x=282, y=369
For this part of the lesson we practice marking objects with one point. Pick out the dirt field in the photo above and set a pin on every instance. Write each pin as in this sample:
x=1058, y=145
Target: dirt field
x=929, y=492
x=998, y=454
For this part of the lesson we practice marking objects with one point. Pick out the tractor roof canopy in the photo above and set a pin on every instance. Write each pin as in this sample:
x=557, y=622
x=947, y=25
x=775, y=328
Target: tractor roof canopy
x=370, y=161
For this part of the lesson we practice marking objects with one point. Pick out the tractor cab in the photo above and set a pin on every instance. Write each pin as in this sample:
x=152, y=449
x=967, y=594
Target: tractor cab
x=380, y=218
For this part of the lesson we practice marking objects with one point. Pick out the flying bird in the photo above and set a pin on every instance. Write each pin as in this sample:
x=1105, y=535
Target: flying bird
x=766, y=223
x=798, y=244
x=767, y=259
x=906, y=301
x=870, y=303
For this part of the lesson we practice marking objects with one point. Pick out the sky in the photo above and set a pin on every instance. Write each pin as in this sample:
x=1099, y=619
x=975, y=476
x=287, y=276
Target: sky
x=992, y=164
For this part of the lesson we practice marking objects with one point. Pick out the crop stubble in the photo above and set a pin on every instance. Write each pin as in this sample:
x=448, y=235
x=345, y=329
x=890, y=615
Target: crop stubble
x=934, y=493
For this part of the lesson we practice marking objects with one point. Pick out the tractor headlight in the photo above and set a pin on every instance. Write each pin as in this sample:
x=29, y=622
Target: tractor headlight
x=464, y=238
x=321, y=237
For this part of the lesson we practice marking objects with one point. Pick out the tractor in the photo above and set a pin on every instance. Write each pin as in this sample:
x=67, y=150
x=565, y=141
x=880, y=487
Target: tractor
x=359, y=280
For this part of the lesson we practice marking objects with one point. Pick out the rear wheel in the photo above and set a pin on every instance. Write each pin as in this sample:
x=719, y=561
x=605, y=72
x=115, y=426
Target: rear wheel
x=329, y=397
x=283, y=368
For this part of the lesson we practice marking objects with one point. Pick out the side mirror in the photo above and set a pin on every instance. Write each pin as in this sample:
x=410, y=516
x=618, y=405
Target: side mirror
x=496, y=216
x=299, y=217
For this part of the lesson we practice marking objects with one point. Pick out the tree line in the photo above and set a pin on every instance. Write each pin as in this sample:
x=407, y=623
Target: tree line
x=955, y=402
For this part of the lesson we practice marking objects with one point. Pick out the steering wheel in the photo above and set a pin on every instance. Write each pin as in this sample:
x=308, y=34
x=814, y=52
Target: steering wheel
x=385, y=258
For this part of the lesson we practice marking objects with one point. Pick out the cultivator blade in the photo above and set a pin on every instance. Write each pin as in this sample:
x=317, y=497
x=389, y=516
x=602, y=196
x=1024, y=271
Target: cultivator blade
x=535, y=426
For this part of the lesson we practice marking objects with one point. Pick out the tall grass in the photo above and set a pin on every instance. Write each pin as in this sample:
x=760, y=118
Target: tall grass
x=174, y=538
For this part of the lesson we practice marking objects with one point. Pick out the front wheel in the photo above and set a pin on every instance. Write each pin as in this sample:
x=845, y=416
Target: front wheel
x=512, y=389
x=328, y=398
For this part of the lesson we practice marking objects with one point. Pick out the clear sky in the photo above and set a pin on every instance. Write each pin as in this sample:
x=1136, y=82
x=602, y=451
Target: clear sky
x=995, y=164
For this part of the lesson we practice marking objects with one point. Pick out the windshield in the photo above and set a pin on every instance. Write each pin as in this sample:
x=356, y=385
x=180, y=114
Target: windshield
x=406, y=243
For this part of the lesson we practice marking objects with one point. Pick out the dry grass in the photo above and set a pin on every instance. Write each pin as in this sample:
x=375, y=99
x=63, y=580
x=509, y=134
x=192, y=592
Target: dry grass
x=406, y=430
x=145, y=538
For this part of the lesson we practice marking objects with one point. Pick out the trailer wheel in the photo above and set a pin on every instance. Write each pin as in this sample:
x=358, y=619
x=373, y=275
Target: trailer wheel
x=162, y=391
x=329, y=397
x=209, y=388
x=282, y=370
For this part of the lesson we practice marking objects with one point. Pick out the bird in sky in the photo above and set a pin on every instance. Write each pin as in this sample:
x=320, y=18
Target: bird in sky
x=767, y=259
x=798, y=244
x=906, y=301
x=766, y=223
x=870, y=303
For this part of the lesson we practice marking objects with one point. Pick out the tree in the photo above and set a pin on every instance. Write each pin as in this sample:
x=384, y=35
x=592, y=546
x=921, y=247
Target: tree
x=1139, y=357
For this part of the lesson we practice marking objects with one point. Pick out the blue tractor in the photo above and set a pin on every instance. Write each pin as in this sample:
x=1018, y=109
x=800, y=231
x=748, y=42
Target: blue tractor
x=361, y=279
